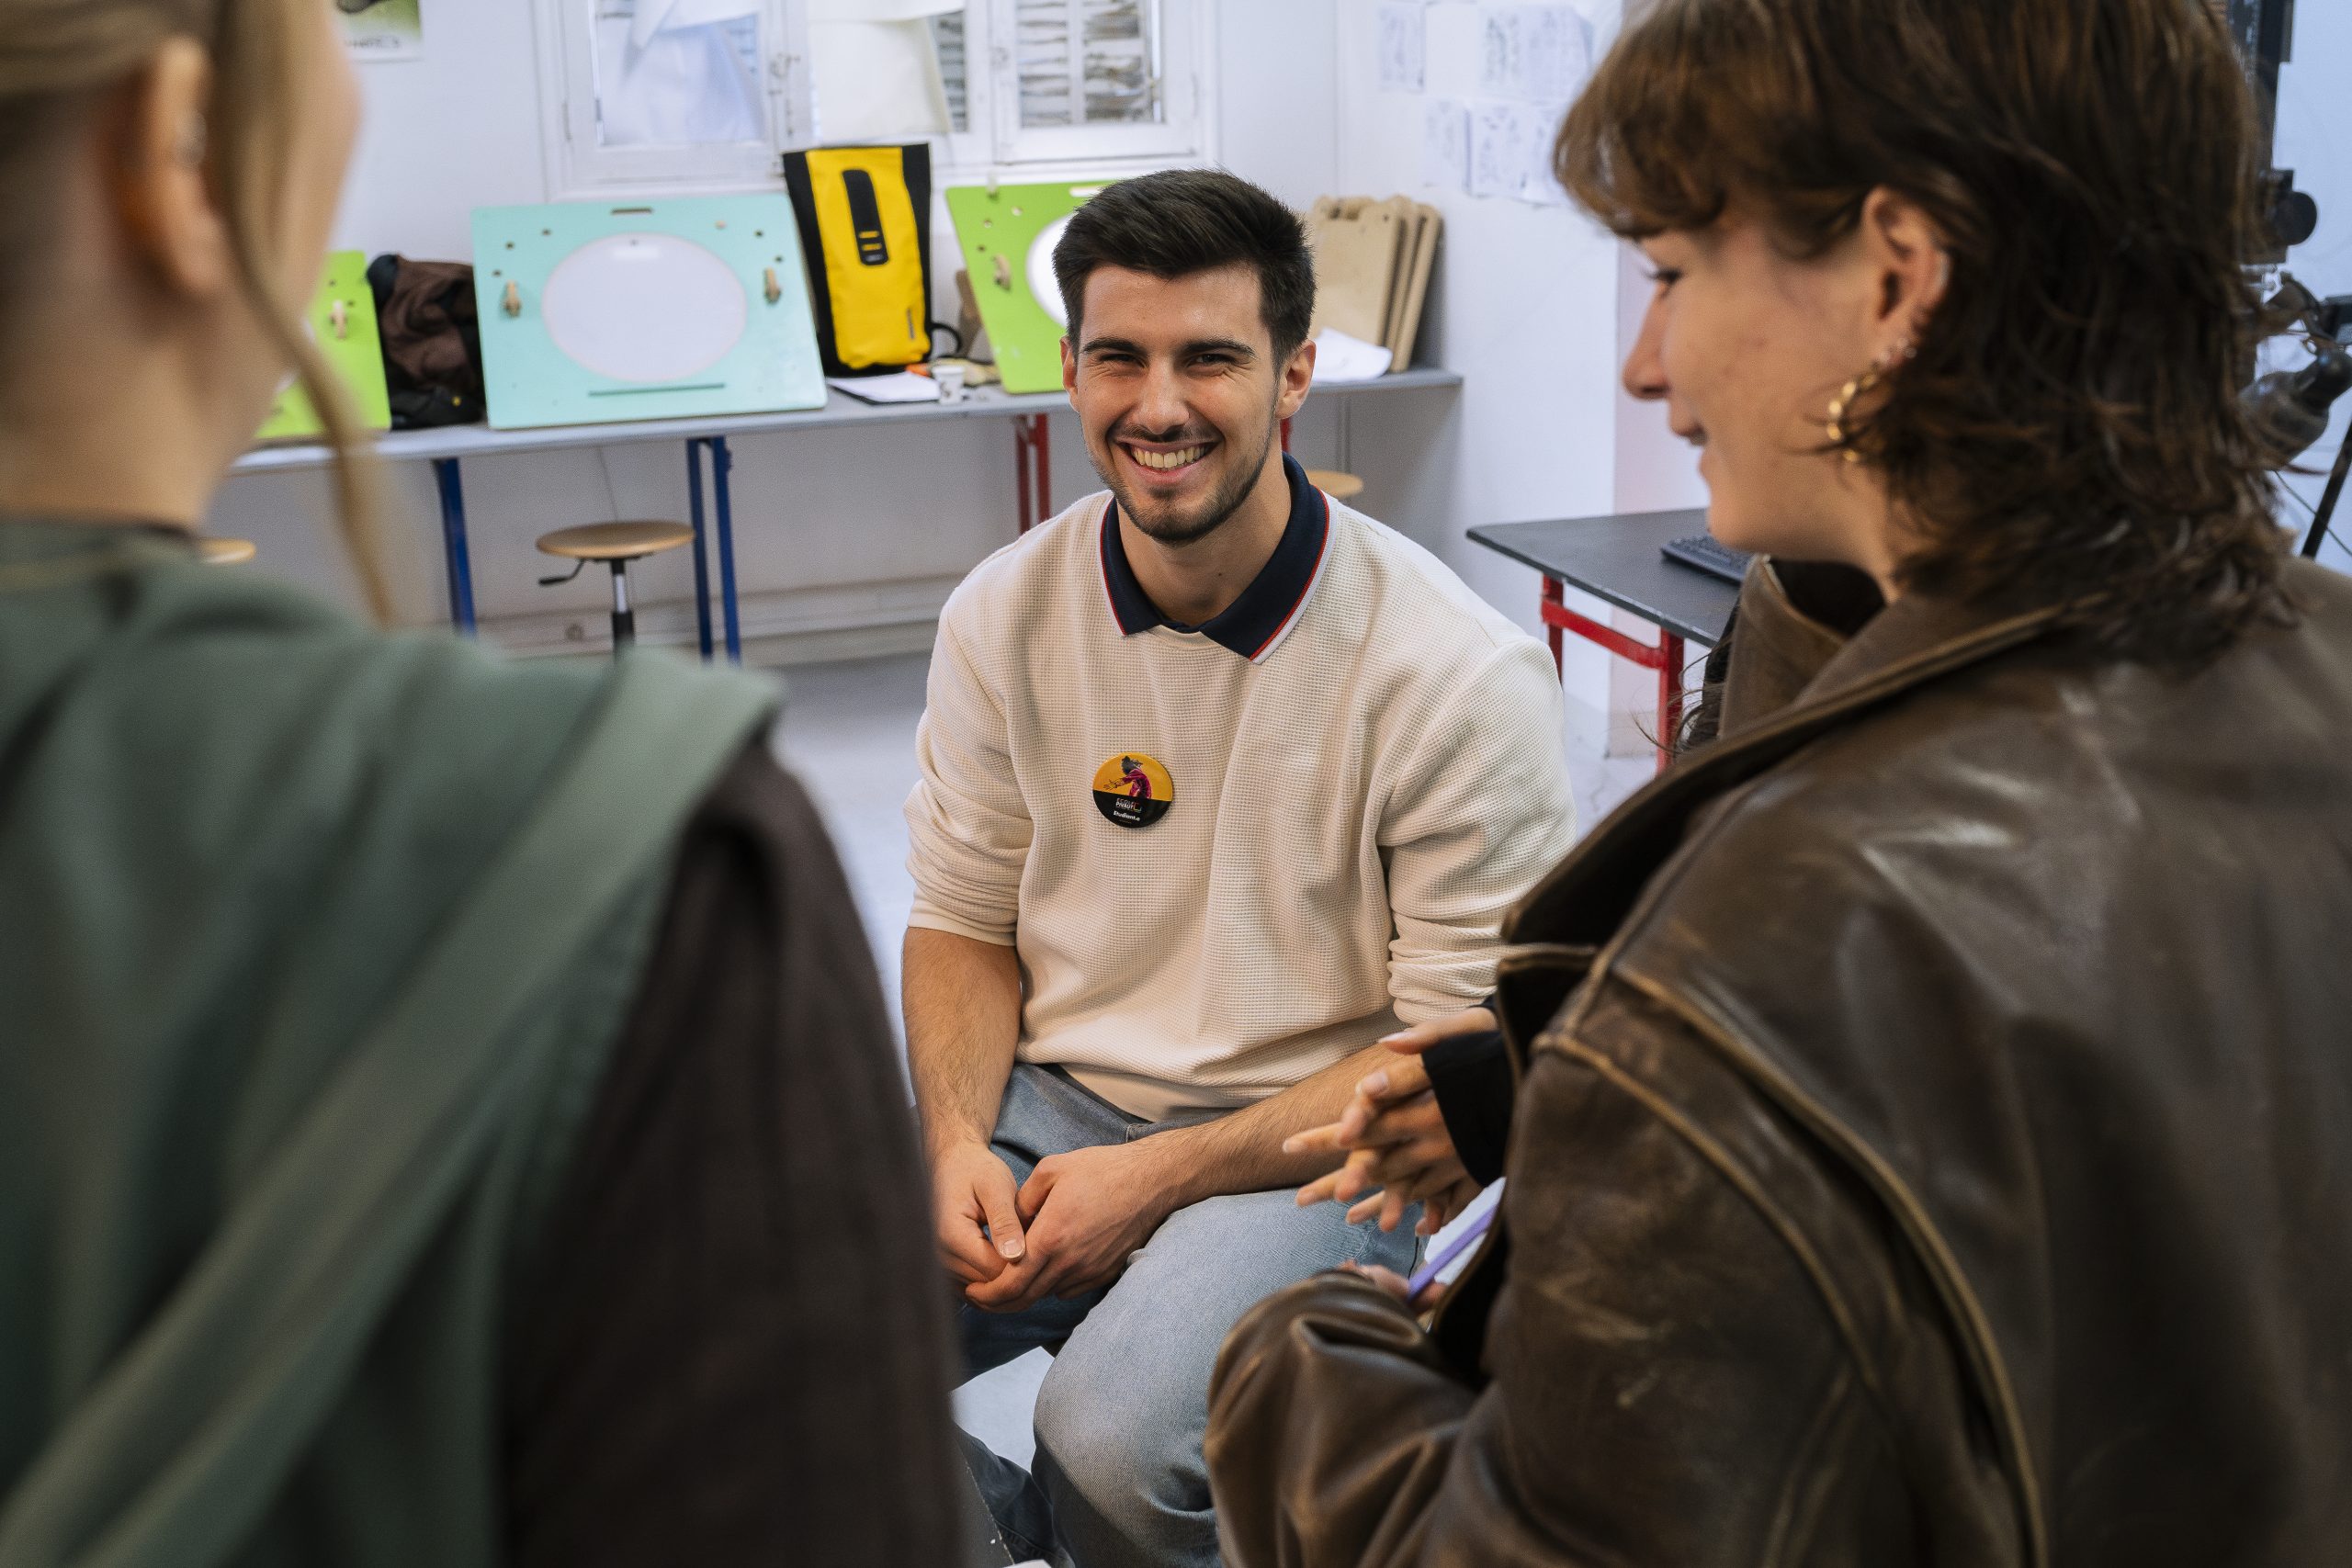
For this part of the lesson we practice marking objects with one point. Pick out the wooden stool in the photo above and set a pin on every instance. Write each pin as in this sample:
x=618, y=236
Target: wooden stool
x=226, y=552
x=1335, y=484
x=616, y=544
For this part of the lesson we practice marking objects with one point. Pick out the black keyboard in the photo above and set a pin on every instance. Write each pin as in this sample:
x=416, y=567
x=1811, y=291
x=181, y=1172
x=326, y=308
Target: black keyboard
x=1701, y=553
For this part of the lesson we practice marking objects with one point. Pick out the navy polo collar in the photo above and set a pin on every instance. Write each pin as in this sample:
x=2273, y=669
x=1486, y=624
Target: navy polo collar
x=1254, y=624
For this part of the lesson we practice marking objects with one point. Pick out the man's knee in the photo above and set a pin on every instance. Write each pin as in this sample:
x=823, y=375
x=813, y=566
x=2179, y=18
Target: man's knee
x=1128, y=1445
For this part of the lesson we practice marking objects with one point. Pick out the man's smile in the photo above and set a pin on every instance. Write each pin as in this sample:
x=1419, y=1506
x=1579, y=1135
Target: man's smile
x=1166, y=463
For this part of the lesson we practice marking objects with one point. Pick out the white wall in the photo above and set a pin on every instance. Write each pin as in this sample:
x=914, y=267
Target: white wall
x=1523, y=304
x=837, y=534
x=841, y=533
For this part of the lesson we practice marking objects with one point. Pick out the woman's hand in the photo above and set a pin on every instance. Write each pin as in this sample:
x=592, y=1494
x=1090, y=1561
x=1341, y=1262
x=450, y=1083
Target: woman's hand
x=1397, y=1151
x=1395, y=1285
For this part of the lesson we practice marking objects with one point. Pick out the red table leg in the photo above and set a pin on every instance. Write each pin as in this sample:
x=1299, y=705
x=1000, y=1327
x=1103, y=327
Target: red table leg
x=1669, y=696
x=1029, y=468
x=1024, y=518
x=1665, y=657
x=1555, y=600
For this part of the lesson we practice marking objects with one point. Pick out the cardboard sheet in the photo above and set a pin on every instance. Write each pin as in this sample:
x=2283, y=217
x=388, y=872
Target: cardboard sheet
x=1414, y=290
x=1357, y=246
x=1372, y=269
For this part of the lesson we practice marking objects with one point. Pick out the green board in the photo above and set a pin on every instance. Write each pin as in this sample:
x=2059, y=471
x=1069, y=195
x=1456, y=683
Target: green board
x=676, y=307
x=343, y=322
x=1007, y=236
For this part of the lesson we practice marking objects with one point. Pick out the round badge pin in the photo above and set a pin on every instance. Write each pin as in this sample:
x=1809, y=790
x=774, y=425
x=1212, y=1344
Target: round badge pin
x=1133, y=790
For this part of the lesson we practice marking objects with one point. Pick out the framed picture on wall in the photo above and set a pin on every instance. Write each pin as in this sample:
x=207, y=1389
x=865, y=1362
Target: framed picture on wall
x=382, y=30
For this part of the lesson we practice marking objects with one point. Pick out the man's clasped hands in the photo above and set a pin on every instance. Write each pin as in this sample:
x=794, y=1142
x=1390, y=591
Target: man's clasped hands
x=1072, y=1227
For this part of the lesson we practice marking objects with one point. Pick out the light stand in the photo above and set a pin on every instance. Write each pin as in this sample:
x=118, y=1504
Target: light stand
x=2293, y=406
x=2328, y=498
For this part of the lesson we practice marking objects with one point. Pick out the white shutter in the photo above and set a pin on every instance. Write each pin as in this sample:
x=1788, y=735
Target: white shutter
x=948, y=36
x=1087, y=80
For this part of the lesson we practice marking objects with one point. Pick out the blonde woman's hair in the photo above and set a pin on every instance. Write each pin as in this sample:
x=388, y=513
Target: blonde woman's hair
x=59, y=57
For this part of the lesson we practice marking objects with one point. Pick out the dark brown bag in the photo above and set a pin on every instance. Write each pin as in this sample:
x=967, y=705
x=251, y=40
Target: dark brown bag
x=432, y=341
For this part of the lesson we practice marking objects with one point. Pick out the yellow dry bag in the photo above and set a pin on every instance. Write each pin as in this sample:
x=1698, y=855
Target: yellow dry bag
x=864, y=217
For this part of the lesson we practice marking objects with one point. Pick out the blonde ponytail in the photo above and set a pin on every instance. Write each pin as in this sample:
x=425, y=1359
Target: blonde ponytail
x=56, y=54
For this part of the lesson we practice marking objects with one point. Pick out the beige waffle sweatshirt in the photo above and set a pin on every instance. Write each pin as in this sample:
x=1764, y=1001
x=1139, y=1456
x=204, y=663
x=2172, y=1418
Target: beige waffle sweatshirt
x=1353, y=810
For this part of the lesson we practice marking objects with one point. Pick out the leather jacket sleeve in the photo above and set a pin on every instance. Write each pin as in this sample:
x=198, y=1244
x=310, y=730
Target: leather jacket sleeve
x=1664, y=1379
x=1471, y=1076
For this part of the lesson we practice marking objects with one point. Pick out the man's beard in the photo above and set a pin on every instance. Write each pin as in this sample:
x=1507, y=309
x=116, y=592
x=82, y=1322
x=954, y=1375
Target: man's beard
x=1212, y=516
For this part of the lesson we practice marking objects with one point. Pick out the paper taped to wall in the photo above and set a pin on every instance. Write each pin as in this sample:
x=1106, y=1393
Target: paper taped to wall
x=1511, y=151
x=1540, y=53
x=1539, y=124
x=1404, y=47
x=1499, y=150
x=1445, y=144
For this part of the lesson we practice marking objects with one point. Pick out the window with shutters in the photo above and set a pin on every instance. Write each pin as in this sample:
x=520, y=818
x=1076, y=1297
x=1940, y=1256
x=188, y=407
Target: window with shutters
x=704, y=93
x=654, y=92
x=1074, y=81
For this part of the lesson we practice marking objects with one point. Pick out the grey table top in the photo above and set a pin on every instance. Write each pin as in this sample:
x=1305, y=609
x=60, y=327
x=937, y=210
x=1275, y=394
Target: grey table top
x=1617, y=559
x=840, y=409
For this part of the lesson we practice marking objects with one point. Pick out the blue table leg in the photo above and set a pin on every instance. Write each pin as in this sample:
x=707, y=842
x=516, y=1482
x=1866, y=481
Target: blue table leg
x=702, y=564
x=722, y=462
x=453, y=544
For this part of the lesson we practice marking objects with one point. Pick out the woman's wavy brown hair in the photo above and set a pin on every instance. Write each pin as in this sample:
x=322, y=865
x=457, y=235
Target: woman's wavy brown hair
x=2071, y=431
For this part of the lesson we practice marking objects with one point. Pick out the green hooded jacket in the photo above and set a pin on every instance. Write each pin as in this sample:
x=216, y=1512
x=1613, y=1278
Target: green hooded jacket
x=312, y=944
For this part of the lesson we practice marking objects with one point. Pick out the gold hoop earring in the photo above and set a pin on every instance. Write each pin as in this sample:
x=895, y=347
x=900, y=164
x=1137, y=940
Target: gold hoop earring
x=1842, y=405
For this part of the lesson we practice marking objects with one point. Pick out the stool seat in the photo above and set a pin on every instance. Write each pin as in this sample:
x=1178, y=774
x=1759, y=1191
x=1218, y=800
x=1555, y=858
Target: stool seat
x=225, y=552
x=616, y=541
x=616, y=545
x=1335, y=484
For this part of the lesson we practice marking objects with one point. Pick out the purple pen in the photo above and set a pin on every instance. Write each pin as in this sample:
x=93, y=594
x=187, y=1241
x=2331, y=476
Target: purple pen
x=1448, y=1253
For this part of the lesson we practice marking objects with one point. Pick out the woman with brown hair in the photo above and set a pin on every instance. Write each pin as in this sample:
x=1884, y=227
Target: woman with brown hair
x=1934, y=1134
x=447, y=1112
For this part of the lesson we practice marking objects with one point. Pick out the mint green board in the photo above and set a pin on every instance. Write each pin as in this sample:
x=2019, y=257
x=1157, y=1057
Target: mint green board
x=999, y=232
x=594, y=313
x=353, y=350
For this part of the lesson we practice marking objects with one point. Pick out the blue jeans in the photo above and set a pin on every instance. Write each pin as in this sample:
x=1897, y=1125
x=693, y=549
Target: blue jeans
x=1120, y=1481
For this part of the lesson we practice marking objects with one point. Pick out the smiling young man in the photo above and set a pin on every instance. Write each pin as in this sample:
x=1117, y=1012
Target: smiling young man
x=1222, y=780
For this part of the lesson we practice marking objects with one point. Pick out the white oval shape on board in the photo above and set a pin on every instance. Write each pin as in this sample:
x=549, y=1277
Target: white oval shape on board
x=645, y=308
x=1041, y=271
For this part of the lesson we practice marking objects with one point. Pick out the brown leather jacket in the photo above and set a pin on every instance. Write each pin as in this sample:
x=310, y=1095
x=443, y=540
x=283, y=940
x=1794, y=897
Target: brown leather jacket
x=1944, y=1154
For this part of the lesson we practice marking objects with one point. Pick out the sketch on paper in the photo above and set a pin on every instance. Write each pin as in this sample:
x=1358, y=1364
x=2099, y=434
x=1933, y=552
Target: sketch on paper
x=1540, y=54
x=1499, y=150
x=1404, y=48
x=1540, y=125
x=382, y=29
x=1445, y=144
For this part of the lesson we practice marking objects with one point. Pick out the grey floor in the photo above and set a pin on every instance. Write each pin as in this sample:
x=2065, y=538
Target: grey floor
x=848, y=733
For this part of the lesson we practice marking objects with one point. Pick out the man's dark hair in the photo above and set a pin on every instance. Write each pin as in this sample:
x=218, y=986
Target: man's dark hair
x=1182, y=222
x=2071, y=431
